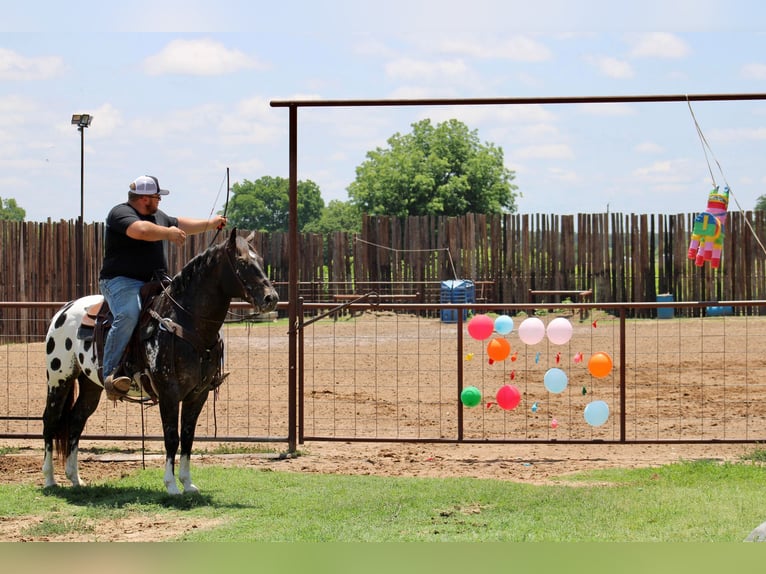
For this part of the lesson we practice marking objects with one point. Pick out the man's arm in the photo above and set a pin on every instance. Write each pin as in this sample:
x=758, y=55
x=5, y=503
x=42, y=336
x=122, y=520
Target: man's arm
x=148, y=231
x=194, y=226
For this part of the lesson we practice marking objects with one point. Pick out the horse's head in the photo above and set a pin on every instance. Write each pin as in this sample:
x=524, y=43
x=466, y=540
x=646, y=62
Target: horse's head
x=249, y=277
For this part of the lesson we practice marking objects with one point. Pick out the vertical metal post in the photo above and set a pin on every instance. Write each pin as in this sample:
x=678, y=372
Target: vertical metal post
x=80, y=230
x=459, y=374
x=301, y=373
x=623, y=388
x=82, y=173
x=292, y=291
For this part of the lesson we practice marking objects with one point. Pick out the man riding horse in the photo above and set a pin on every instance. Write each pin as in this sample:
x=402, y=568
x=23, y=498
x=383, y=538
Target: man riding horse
x=134, y=254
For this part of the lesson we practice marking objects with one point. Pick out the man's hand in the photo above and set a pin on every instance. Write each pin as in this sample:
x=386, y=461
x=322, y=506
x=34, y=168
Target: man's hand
x=176, y=235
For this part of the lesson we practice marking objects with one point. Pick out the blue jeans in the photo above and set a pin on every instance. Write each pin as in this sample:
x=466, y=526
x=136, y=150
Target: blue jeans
x=122, y=294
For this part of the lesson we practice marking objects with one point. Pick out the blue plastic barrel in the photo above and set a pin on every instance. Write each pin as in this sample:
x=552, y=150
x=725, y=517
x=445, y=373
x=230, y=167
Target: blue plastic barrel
x=456, y=291
x=665, y=312
x=719, y=311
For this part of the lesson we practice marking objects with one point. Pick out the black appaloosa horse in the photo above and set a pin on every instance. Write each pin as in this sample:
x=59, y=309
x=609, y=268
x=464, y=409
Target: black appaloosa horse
x=180, y=347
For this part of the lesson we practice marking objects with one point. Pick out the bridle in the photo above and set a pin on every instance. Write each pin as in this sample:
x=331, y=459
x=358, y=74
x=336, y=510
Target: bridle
x=234, y=270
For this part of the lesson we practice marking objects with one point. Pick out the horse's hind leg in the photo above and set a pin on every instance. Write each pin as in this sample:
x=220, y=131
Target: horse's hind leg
x=86, y=403
x=55, y=425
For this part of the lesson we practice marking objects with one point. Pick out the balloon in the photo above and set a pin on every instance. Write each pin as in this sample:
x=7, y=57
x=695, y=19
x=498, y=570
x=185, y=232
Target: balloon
x=600, y=365
x=498, y=349
x=470, y=396
x=503, y=324
x=508, y=397
x=480, y=327
x=559, y=331
x=555, y=380
x=596, y=413
x=531, y=330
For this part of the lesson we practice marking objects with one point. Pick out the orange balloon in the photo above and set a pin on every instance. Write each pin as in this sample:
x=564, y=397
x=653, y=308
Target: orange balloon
x=600, y=365
x=498, y=349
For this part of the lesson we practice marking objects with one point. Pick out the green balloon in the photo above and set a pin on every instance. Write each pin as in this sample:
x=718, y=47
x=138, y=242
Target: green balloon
x=470, y=396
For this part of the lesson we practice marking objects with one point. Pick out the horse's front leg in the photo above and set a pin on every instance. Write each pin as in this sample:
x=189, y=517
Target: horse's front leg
x=192, y=406
x=169, y=414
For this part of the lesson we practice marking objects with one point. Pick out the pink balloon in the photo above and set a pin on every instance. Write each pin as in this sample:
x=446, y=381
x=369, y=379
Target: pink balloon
x=531, y=331
x=508, y=397
x=559, y=331
x=480, y=327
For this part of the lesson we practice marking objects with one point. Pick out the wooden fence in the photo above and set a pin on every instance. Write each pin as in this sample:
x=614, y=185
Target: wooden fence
x=621, y=258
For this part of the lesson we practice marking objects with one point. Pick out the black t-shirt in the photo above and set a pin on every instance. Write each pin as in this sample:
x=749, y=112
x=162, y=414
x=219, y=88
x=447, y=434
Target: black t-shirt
x=127, y=257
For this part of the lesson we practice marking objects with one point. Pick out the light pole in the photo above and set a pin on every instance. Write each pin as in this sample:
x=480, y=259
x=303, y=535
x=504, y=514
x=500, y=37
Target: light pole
x=82, y=121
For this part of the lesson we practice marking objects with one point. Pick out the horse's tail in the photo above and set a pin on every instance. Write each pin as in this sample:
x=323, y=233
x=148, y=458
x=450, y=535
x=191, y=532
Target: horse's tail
x=61, y=442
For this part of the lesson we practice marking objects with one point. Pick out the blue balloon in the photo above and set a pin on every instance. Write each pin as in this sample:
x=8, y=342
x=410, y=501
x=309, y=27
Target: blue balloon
x=596, y=413
x=555, y=380
x=503, y=324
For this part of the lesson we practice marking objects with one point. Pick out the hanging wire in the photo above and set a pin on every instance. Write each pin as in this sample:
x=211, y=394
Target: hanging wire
x=397, y=251
x=705, y=149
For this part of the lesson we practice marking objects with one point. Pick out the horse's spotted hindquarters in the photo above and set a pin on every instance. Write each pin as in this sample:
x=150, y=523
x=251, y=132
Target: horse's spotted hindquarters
x=68, y=359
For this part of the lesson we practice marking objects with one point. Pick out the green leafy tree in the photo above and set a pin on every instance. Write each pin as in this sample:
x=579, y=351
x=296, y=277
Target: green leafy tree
x=337, y=216
x=9, y=210
x=442, y=170
x=264, y=204
x=760, y=203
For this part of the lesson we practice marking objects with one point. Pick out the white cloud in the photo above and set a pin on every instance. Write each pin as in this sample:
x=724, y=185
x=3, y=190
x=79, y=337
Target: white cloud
x=649, y=148
x=664, y=173
x=203, y=57
x=659, y=45
x=14, y=66
x=549, y=151
x=563, y=175
x=613, y=67
x=754, y=71
x=516, y=48
x=411, y=69
x=736, y=135
x=608, y=109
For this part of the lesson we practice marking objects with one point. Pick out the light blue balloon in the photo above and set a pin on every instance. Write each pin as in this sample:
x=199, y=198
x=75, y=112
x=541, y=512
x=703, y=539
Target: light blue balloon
x=503, y=324
x=596, y=413
x=555, y=380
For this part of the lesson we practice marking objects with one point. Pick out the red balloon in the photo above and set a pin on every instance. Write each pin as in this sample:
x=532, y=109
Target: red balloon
x=480, y=327
x=508, y=397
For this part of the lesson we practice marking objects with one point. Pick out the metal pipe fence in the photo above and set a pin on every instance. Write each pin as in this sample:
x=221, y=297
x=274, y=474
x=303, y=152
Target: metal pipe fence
x=384, y=372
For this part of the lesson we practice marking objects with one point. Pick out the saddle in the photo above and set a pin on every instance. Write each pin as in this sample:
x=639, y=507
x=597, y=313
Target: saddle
x=98, y=319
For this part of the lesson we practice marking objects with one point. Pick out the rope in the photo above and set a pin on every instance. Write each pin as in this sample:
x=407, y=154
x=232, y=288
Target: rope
x=705, y=149
x=449, y=255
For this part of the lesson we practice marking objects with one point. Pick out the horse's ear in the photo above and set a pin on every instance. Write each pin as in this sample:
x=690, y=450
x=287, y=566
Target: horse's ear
x=250, y=237
x=233, y=238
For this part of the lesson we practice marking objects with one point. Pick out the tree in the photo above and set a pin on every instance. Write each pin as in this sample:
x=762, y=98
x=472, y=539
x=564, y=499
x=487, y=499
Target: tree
x=10, y=211
x=263, y=205
x=442, y=170
x=760, y=203
x=337, y=216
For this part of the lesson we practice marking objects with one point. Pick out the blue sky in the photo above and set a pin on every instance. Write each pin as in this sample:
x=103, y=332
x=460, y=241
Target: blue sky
x=181, y=91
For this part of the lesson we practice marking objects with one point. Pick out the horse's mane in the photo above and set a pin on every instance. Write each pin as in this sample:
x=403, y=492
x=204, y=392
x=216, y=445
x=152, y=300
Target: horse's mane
x=196, y=268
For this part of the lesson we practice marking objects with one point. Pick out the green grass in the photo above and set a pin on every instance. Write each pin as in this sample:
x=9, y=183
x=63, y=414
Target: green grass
x=702, y=501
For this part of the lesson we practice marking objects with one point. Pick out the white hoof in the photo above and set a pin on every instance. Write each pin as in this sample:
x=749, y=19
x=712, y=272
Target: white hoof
x=191, y=489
